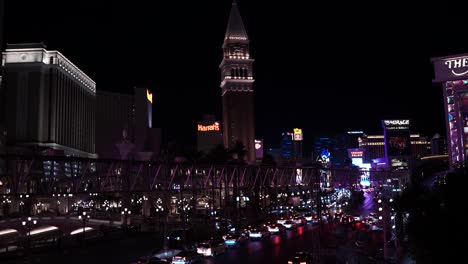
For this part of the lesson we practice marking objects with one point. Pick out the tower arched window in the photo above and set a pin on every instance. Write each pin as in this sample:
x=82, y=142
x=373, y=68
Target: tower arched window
x=232, y=73
x=237, y=72
x=246, y=73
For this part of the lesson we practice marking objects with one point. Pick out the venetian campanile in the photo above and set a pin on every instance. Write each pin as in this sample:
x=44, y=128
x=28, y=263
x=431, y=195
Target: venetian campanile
x=236, y=86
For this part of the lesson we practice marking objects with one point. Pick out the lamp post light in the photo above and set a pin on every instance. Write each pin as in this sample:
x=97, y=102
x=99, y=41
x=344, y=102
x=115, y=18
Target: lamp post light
x=125, y=213
x=84, y=218
x=29, y=225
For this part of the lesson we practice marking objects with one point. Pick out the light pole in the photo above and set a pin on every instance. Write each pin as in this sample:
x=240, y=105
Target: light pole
x=84, y=218
x=125, y=214
x=29, y=225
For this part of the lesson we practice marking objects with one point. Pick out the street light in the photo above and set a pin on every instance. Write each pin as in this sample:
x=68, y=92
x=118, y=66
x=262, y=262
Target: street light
x=84, y=218
x=29, y=225
x=125, y=214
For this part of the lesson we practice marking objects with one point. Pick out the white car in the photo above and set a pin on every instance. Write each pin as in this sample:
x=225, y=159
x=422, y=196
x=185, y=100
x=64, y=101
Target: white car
x=212, y=248
x=289, y=224
x=258, y=233
x=281, y=221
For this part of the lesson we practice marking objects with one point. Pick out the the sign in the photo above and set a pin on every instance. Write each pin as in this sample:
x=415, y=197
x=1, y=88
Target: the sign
x=297, y=134
x=450, y=68
x=357, y=154
x=396, y=122
x=397, y=143
x=213, y=127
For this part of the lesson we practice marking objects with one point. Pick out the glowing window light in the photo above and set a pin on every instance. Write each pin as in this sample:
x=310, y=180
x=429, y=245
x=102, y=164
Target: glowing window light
x=80, y=230
x=7, y=231
x=43, y=230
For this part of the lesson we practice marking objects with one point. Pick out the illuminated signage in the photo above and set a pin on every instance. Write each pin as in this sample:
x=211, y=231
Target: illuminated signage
x=451, y=68
x=458, y=66
x=355, y=132
x=149, y=96
x=213, y=127
x=357, y=153
x=297, y=134
x=396, y=122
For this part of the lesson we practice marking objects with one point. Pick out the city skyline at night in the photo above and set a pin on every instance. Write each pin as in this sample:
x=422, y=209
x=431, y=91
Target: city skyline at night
x=232, y=131
x=309, y=73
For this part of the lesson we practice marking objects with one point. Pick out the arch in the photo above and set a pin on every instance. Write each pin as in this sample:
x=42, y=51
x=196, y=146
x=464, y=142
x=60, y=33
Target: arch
x=246, y=73
x=232, y=73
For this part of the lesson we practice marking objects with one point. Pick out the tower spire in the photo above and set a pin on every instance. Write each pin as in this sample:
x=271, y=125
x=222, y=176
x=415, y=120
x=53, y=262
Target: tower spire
x=235, y=28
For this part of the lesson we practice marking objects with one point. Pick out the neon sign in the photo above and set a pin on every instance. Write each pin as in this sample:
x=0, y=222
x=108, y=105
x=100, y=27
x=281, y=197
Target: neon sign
x=297, y=134
x=457, y=63
x=149, y=96
x=213, y=127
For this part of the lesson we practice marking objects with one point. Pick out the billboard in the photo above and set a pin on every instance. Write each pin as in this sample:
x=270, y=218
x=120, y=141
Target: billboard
x=259, y=148
x=397, y=142
x=450, y=68
x=297, y=134
x=208, y=135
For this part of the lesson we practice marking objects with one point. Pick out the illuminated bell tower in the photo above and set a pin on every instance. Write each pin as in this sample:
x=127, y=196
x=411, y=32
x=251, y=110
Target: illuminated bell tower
x=236, y=86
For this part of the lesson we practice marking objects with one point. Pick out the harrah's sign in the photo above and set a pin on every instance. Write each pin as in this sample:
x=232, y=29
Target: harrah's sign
x=450, y=68
x=213, y=127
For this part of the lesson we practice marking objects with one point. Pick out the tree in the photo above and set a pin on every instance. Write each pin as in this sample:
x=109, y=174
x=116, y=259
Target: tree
x=217, y=155
x=434, y=227
x=268, y=160
x=238, y=152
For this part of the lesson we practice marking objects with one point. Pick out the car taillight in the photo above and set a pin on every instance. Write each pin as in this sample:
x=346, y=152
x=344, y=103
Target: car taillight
x=289, y=262
x=303, y=262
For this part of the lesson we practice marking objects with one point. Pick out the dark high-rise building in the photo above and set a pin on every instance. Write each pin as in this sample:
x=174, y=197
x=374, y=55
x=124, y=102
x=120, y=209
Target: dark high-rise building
x=438, y=145
x=132, y=113
x=236, y=86
x=114, y=114
x=48, y=103
x=287, y=146
x=208, y=134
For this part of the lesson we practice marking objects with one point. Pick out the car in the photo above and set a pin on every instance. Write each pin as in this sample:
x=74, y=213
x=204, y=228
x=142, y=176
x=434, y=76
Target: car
x=289, y=224
x=211, y=248
x=301, y=258
x=373, y=216
x=375, y=227
x=315, y=220
x=165, y=254
x=149, y=260
x=180, y=238
x=346, y=220
x=338, y=216
x=259, y=233
x=275, y=228
x=234, y=239
x=281, y=220
x=187, y=257
x=299, y=220
x=308, y=217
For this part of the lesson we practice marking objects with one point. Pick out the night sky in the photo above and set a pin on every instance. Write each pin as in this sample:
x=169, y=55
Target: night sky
x=324, y=68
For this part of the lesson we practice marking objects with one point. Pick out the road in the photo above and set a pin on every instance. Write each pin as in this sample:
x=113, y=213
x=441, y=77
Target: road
x=280, y=248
